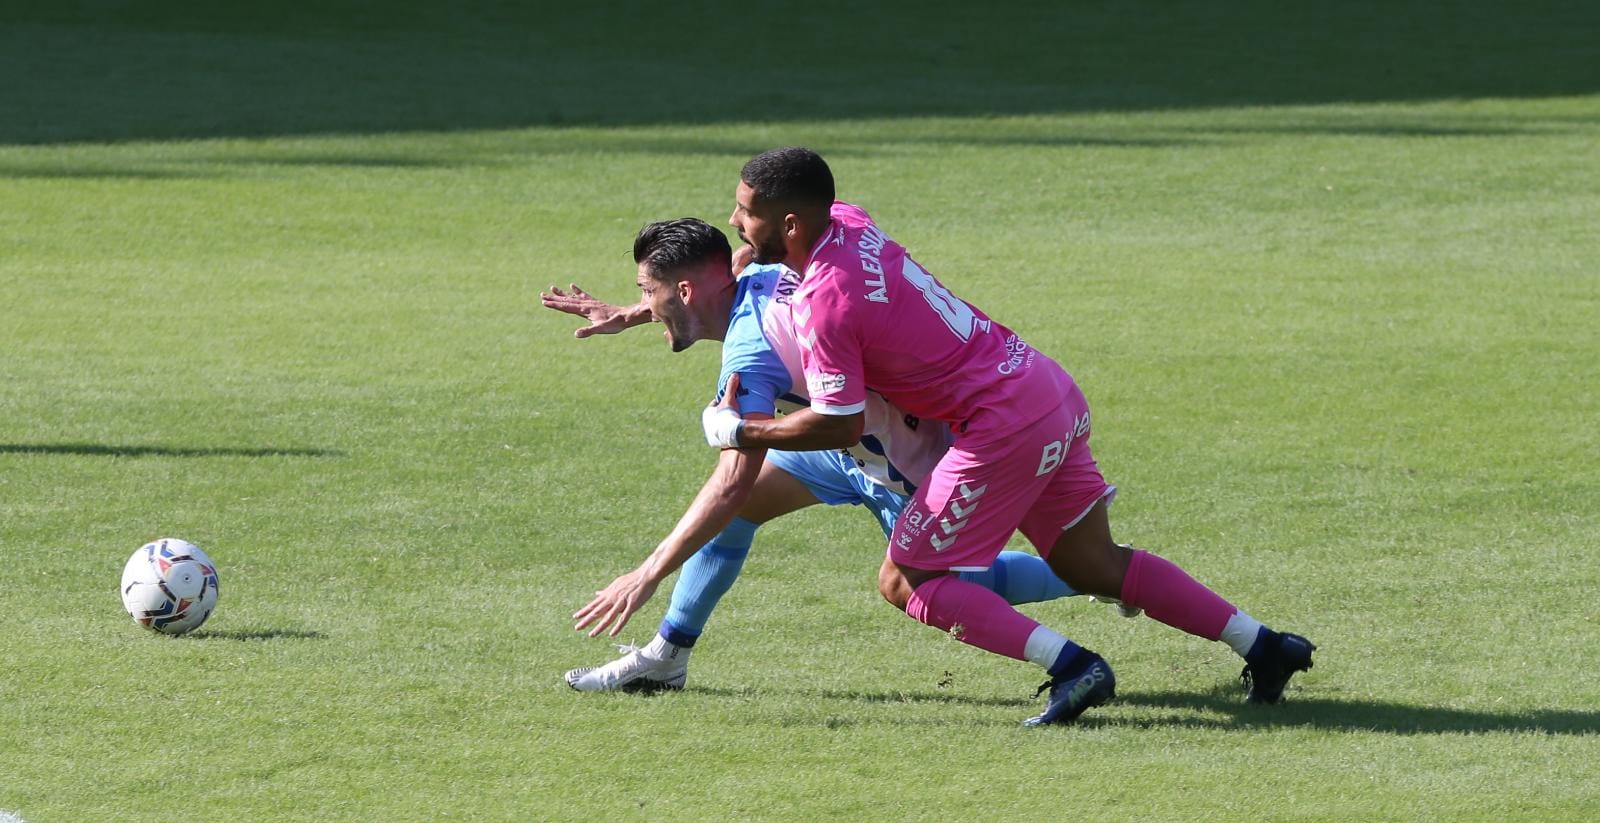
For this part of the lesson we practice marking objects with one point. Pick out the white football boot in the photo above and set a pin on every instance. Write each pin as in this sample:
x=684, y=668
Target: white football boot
x=659, y=666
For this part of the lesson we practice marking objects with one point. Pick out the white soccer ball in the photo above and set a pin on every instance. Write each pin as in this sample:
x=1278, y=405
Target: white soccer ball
x=170, y=586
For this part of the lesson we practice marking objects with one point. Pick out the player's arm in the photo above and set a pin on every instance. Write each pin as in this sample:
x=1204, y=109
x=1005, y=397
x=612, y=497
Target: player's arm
x=603, y=317
x=724, y=494
x=802, y=430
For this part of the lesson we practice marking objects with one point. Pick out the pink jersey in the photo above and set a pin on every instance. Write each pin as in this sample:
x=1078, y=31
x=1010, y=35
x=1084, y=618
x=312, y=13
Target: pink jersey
x=866, y=315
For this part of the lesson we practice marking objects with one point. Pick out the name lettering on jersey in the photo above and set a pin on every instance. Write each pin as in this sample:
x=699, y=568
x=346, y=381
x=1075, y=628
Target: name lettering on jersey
x=788, y=282
x=870, y=249
x=1019, y=355
x=1056, y=451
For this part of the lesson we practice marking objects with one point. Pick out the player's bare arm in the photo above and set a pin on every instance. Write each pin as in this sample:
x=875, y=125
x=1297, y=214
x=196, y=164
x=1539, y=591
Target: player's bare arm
x=603, y=317
x=801, y=430
x=722, y=497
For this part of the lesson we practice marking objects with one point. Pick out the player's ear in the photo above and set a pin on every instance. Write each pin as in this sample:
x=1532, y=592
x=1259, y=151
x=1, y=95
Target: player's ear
x=791, y=225
x=685, y=290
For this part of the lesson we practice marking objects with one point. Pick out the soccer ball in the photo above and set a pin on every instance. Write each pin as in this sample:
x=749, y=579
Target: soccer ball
x=169, y=586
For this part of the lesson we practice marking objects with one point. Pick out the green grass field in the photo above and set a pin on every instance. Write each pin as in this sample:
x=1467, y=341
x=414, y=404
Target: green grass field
x=268, y=282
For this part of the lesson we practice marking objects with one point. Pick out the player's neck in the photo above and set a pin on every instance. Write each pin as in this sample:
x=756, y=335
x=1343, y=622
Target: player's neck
x=803, y=246
x=714, y=321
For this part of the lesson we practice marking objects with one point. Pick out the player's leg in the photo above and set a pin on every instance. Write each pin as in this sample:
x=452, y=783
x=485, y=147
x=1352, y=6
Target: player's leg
x=701, y=583
x=1084, y=554
x=958, y=522
x=1087, y=554
x=1019, y=577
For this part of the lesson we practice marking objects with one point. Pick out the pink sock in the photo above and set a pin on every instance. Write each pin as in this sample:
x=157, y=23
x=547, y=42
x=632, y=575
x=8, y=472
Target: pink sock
x=986, y=619
x=1171, y=596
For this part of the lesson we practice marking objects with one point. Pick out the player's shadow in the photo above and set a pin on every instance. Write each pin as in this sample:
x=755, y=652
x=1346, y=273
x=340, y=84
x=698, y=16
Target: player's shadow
x=246, y=635
x=109, y=450
x=863, y=696
x=1198, y=710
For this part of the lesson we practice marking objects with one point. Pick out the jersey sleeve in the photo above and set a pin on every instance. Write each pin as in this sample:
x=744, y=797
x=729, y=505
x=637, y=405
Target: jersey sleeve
x=759, y=390
x=747, y=352
x=828, y=328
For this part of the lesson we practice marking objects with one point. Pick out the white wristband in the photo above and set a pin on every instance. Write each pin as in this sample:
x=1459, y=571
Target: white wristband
x=722, y=426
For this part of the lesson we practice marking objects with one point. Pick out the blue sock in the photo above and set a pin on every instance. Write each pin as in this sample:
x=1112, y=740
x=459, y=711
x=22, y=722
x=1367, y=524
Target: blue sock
x=704, y=580
x=1072, y=660
x=1020, y=577
x=1264, y=643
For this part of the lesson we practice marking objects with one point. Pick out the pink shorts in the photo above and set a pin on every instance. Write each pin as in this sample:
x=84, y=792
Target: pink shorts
x=1040, y=479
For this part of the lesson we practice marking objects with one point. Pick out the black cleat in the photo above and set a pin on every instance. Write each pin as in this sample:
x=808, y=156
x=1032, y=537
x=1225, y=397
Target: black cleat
x=1072, y=695
x=1283, y=655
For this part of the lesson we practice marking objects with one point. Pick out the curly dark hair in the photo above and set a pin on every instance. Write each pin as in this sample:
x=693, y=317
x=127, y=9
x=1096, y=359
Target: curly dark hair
x=793, y=176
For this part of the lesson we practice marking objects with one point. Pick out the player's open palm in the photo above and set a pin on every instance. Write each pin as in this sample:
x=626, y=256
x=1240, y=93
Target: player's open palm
x=615, y=604
x=603, y=317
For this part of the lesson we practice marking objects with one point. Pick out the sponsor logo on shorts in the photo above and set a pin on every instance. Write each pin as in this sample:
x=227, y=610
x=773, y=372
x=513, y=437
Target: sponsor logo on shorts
x=1056, y=451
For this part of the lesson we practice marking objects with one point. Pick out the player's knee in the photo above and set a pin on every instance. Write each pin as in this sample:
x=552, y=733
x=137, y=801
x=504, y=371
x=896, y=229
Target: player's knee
x=1094, y=567
x=894, y=587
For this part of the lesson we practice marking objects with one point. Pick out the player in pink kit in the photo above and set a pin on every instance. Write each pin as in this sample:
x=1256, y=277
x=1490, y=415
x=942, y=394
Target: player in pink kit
x=867, y=315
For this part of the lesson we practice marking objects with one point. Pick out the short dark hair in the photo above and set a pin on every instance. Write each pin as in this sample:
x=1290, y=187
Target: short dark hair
x=669, y=245
x=791, y=175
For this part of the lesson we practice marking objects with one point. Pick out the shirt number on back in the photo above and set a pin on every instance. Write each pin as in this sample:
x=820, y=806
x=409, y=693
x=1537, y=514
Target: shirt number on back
x=955, y=313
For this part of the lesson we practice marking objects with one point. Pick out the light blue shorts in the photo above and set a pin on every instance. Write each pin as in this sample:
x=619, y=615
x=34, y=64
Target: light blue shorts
x=836, y=480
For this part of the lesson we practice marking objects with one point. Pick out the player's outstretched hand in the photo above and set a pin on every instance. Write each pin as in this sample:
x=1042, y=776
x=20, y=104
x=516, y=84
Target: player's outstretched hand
x=603, y=317
x=615, y=604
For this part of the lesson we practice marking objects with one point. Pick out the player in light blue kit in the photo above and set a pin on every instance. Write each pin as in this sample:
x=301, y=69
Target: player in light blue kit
x=685, y=277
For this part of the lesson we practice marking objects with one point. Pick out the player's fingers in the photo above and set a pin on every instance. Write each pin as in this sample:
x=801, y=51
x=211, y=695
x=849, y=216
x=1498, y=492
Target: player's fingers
x=578, y=292
x=730, y=398
x=583, y=332
x=622, y=620
x=591, y=610
x=605, y=620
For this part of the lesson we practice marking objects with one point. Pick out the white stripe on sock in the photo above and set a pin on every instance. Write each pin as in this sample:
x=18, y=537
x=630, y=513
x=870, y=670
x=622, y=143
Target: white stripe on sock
x=1240, y=633
x=1043, y=647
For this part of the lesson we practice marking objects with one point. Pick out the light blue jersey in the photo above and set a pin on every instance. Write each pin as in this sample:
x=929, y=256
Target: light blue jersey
x=897, y=451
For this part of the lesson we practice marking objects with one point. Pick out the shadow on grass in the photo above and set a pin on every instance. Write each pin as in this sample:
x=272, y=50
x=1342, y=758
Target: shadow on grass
x=245, y=635
x=105, y=450
x=860, y=696
x=1341, y=715
x=1198, y=710
x=83, y=70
